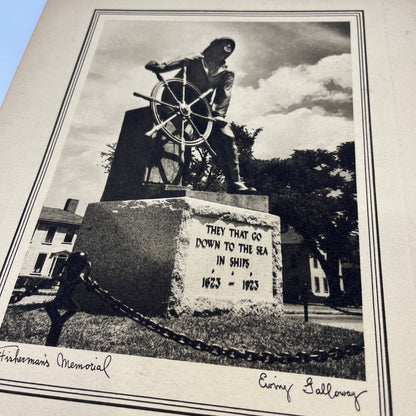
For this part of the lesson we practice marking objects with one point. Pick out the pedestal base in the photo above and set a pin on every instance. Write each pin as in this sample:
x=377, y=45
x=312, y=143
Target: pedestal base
x=181, y=255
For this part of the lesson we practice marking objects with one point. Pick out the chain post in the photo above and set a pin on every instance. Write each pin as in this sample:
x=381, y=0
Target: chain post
x=75, y=267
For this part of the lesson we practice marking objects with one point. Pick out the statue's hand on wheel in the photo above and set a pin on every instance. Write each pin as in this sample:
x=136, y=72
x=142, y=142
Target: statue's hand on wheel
x=221, y=121
x=153, y=66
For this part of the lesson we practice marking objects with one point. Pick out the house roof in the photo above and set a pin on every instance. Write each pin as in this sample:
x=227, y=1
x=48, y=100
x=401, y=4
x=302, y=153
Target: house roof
x=58, y=215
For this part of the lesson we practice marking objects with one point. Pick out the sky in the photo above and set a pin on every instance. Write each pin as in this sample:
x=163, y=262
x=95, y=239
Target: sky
x=17, y=21
x=292, y=79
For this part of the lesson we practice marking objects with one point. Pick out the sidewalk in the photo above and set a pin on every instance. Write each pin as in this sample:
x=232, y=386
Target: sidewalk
x=319, y=309
x=343, y=317
x=288, y=308
x=45, y=296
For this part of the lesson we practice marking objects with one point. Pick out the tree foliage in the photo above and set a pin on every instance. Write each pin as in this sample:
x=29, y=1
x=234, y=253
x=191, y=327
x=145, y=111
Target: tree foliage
x=314, y=191
x=107, y=156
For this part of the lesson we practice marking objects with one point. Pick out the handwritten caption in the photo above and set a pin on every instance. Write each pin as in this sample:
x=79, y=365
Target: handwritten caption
x=11, y=354
x=272, y=383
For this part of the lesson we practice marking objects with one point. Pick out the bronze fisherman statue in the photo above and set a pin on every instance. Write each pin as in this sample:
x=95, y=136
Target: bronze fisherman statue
x=206, y=71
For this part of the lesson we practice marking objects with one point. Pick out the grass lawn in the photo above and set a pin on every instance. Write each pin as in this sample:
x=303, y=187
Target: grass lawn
x=116, y=334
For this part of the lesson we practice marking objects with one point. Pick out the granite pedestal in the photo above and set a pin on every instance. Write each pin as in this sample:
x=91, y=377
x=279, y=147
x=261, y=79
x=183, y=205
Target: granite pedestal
x=182, y=254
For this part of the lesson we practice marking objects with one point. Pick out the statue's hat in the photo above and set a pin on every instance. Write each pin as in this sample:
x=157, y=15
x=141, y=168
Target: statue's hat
x=229, y=45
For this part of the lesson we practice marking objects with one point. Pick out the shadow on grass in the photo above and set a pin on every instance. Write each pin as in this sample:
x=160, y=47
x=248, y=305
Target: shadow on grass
x=30, y=324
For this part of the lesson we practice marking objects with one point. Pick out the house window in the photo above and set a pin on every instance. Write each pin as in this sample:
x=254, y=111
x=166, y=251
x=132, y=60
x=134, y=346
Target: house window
x=39, y=263
x=69, y=236
x=315, y=263
x=317, y=285
x=50, y=234
x=325, y=282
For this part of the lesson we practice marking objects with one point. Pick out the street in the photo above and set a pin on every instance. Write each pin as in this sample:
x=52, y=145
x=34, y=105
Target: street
x=348, y=318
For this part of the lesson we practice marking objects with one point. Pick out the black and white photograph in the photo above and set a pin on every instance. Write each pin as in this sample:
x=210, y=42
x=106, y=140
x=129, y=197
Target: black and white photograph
x=205, y=204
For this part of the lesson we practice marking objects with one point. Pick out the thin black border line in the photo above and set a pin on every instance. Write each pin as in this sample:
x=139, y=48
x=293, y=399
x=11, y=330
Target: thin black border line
x=383, y=334
x=221, y=409
x=370, y=214
x=129, y=397
x=375, y=255
x=366, y=174
x=259, y=13
x=367, y=193
x=363, y=88
x=97, y=13
x=137, y=407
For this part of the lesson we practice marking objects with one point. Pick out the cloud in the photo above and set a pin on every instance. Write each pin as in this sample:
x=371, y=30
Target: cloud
x=301, y=107
x=289, y=86
x=300, y=129
x=267, y=46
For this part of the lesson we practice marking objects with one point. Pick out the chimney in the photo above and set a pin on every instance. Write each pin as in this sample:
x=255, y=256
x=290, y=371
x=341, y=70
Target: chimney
x=71, y=205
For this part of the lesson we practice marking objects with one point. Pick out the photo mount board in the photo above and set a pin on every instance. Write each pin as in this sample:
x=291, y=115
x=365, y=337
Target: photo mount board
x=375, y=337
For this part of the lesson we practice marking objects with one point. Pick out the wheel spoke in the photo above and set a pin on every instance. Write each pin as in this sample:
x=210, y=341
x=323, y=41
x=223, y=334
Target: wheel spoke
x=184, y=85
x=195, y=127
x=183, y=129
x=170, y=90
x=183, y=142
x=161, y=125
x=173, y=106
x=210, y=149
x=201, y=116
x=201, y=97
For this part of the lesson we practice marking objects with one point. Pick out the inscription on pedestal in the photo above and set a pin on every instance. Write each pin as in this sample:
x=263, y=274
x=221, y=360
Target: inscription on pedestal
x=229, y=260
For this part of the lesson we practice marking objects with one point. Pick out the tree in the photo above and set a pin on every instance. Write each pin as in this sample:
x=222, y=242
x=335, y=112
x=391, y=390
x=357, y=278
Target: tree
x=314, y=191
x=107, y=156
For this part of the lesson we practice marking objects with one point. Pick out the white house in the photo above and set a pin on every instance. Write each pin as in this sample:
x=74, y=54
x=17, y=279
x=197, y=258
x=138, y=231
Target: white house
x=52, y=242
x=300, y=269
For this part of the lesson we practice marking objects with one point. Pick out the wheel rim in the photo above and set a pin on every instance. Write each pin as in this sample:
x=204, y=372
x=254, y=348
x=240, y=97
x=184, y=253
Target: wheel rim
x=189, y=121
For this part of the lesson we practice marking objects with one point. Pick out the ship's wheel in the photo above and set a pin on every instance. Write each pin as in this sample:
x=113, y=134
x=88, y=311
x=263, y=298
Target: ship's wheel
x=181, y=111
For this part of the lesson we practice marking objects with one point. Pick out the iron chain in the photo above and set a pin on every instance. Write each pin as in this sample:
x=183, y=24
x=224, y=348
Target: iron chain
x=335, y=353
x=267, y=357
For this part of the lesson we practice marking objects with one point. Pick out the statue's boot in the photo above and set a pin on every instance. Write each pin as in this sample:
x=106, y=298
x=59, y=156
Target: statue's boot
x=241, y=188
x=232, y=170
